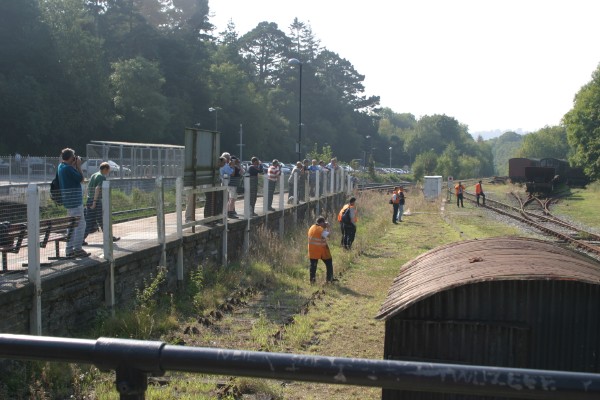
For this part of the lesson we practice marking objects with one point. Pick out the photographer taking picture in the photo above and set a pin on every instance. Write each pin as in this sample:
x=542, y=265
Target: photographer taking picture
x=70, y=179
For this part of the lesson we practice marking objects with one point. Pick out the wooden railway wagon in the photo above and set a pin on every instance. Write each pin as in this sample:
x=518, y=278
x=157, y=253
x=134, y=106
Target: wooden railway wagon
x=561, y=167
x=540, y=179
x=507, y=302
x=516, y=168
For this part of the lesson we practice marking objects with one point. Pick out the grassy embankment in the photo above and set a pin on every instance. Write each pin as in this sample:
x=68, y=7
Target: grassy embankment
x=338, y=322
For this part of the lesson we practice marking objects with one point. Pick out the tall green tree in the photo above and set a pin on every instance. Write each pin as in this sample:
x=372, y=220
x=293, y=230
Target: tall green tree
x=583, y=127
x=267, y=49
x=550, y=141
x=141, y=108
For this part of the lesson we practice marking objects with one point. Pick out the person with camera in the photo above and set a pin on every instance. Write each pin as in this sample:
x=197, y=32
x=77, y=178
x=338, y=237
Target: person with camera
x=253, y=170
x=318, y=249
x=234, y=182
x=70, y=178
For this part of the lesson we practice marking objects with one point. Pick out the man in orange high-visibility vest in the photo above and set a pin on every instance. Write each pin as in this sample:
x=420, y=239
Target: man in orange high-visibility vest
x=479, y=193
x=319, y=250
x=459, y=189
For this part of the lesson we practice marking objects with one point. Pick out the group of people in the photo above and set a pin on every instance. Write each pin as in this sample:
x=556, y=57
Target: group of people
x=231, y=172
x=70, y=179
x=459, y=190
x=305, y=168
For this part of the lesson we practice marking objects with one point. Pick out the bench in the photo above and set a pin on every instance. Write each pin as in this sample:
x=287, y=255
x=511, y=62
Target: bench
x=14, y=237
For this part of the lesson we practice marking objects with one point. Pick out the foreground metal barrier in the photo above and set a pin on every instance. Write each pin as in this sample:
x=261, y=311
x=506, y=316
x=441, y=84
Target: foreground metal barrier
x=135, y=360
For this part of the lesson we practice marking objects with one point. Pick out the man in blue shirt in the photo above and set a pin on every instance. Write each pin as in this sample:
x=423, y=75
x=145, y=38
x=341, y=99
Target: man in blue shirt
x=70, y=178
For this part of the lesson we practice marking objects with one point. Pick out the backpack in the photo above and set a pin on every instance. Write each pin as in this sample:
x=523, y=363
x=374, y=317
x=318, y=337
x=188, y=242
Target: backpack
x=346, y=219
x=5, y=239
x=55, y=193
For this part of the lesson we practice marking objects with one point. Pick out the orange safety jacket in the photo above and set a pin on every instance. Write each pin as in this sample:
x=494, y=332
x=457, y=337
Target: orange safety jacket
x=478, y=188
x=317, y=244
x=396, y=197
x=459, y=189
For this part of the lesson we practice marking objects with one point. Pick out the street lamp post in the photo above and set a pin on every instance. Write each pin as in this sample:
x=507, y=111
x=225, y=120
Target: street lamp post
x=366, y=153
x=216, y=110
x=390, y=156
x=295, y=61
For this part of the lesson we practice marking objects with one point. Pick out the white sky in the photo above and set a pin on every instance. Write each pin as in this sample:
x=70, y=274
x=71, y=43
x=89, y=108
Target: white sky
x=502, y=64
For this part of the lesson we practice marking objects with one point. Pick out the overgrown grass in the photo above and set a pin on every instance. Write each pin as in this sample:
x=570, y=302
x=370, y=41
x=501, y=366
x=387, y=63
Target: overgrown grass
x=280, y=269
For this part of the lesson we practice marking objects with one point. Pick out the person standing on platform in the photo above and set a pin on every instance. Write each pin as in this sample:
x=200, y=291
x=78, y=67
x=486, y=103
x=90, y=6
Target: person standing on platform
x=313, y=169
x=253, y=170
x=70, y=178
x=234, y=183
x=273, y=174
x=93, y=205
x=319, y=250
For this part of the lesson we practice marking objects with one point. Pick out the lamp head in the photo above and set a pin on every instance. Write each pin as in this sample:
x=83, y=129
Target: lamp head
x=294, y=61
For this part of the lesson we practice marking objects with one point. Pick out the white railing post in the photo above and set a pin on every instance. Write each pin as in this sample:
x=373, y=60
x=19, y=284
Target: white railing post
x=295, y=197
x=179, y=212
x=349, y=185
x=160, y=220
x=224, y=211
x=332, y=181
x=266, y=195
x=318, y=192
x=306, y=187
x=107, y=233
x=281, y=203
x=33, y=257
x=247, y=214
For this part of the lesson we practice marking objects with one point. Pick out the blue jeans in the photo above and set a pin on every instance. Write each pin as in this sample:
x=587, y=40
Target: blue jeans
x=400, y=212
x=76, y=240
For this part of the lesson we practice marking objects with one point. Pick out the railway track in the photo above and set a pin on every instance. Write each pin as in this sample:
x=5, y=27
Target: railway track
x=545, y=222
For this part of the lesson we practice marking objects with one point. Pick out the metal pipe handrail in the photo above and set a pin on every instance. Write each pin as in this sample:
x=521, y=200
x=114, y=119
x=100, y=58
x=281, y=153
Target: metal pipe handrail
x=134, y=360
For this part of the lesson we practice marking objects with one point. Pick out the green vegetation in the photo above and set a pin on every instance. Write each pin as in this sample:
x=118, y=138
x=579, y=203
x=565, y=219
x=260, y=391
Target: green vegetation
x=283, y=313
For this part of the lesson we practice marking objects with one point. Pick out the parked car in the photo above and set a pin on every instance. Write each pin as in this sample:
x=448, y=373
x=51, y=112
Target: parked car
x=38, y=165
x=92, y=165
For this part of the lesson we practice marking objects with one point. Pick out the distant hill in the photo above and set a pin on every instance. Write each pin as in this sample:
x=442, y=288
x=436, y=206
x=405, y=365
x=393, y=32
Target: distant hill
x=496, y=132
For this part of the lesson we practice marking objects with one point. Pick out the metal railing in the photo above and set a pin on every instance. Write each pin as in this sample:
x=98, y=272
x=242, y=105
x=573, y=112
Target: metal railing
x=135, y=360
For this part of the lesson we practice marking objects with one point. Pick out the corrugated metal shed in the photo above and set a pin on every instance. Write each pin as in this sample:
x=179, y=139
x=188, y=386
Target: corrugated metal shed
x=495, y=259
x=507, y=302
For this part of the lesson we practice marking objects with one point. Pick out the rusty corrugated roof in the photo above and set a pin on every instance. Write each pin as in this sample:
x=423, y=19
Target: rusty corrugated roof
x=494, y=259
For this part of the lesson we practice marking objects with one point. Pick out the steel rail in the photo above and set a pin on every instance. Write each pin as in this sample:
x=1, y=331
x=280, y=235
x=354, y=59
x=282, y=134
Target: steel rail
x=135, y=360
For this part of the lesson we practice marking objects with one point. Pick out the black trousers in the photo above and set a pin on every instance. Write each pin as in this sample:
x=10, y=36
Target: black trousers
x=482, y=195
x=93, y=218
x=349, y=234
x=459, y=198
x=343, y=235
x=328, y=266
x=272, y=185
x=253, y=191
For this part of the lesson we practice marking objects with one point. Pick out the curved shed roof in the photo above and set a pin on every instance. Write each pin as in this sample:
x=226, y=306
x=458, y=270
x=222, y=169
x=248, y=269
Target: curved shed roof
x=494, y=259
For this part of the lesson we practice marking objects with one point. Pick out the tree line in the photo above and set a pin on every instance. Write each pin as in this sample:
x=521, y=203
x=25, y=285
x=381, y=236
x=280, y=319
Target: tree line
x=72, y=71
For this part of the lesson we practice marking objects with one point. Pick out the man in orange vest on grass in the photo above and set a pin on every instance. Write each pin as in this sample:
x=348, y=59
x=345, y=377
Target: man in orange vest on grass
x=459, y=189
x=319, y=250
x=479, y=193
